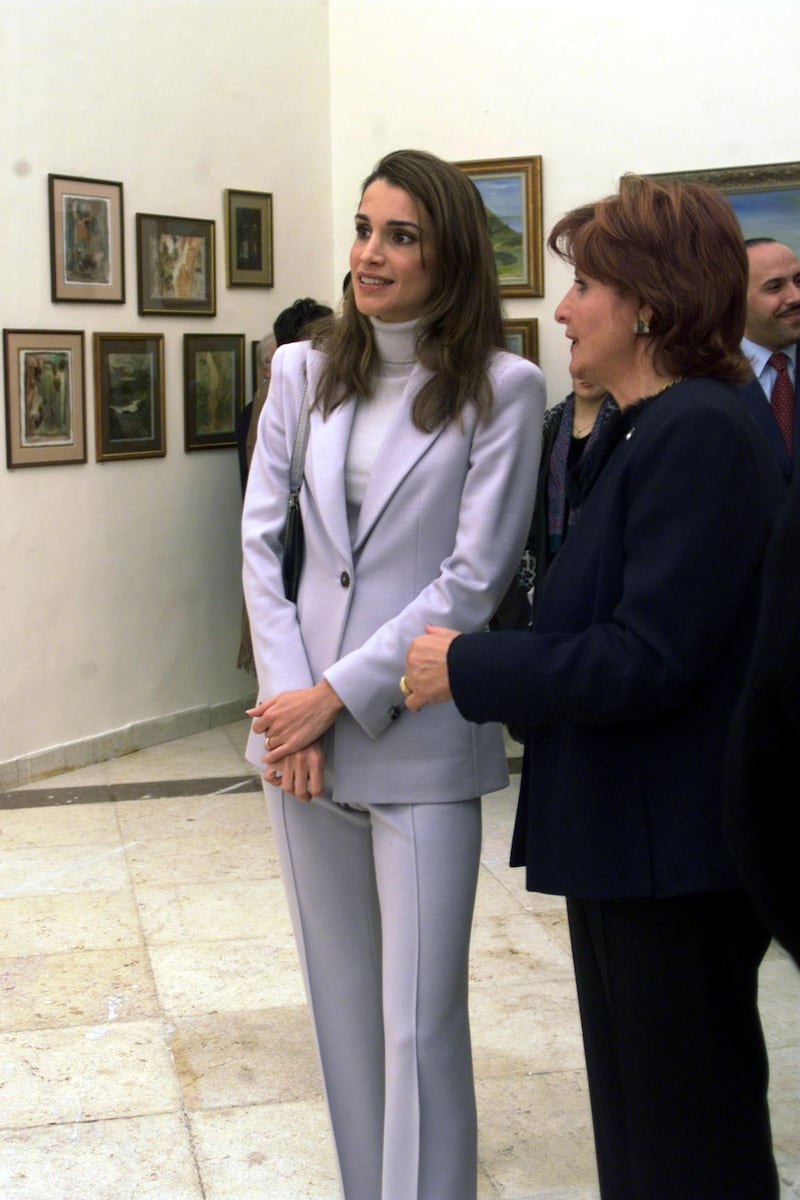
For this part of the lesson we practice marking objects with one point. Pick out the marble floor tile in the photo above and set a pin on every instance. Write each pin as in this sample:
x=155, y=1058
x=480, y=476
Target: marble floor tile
x=154, y=1038
x=522, y=1030
x=68, y=921
x=35, y=871
x=262, y=1057
x=272, y=1152
x=215, y=911
x=535, y=1135
x=40, y=828
x=86, y=1073
x=190, y=816
x=89, y=987
x=139, y=1158
x=171, y=862
x=514, y=949
x=225, y=977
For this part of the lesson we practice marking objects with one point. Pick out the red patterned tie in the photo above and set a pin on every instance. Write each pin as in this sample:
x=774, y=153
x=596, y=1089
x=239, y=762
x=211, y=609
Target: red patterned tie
x=782, y=398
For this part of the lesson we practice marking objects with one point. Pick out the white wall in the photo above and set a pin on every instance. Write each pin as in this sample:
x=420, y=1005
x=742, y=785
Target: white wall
x=120, y=580
x=595, y=88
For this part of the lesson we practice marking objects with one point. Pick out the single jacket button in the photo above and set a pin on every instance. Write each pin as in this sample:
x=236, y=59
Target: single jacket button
x=344, y=579
x=395, y=712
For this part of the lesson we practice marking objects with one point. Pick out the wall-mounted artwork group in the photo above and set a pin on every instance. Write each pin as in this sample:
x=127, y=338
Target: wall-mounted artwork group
x=45, y=385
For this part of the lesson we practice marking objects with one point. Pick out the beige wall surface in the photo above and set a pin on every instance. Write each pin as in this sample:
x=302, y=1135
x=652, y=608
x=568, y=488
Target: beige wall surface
x=595, y=89
x=120, y=581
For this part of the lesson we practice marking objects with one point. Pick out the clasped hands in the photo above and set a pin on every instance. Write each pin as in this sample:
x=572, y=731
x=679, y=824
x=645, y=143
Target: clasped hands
x=293, y=724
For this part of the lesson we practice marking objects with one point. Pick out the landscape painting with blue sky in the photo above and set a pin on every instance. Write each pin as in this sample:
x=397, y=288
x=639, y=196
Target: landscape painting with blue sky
x=774, y=214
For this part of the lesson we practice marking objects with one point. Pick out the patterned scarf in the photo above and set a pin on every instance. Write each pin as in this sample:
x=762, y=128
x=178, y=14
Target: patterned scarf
x=559, y=514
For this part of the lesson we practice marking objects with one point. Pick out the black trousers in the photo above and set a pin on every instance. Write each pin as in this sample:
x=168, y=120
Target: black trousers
x=675, y=1055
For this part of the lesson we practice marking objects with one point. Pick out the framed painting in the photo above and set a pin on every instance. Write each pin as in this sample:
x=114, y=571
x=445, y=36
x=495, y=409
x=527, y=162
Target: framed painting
x=175, y=259
x=248, y=238
x=87, y=250
x=213, y=390
x=45, y=397
x=766, y=199
x=511, y=189
x=129, y=395
x=522, y=337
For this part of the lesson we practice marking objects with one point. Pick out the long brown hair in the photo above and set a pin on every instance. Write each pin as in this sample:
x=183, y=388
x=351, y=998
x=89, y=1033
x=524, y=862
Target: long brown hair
x=462, y=323
x=677, y=248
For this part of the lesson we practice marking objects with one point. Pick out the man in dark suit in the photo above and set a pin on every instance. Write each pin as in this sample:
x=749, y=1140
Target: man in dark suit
x=773, y=328
x=762, y=797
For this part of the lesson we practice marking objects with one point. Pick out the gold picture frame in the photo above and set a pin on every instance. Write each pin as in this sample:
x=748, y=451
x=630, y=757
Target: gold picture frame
x=511, y=189
x=765, y=197
x=522, y=337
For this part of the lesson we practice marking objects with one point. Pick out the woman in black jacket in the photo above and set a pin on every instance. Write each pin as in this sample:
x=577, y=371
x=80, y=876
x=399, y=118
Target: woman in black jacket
x=626, y=687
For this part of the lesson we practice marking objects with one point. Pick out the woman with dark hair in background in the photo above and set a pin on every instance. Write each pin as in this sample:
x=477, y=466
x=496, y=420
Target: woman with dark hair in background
x=573, y=436
x=416, y=501
x=289, y=326
x=626, y=687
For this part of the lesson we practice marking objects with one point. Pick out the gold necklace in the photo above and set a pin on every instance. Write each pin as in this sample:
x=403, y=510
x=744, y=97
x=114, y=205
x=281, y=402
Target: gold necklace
x=672, y=382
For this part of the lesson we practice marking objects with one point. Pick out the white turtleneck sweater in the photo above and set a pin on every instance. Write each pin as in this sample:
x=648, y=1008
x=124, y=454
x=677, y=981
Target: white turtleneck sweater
x=395, y=345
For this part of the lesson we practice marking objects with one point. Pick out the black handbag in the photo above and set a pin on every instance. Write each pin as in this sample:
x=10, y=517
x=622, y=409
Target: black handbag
x=293, y=540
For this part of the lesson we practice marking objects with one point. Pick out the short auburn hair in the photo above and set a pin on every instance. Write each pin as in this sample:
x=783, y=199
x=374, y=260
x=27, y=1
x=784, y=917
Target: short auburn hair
x=678, y=248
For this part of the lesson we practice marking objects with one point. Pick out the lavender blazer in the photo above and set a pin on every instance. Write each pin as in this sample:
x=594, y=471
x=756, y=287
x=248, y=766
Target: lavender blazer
x=440, y=533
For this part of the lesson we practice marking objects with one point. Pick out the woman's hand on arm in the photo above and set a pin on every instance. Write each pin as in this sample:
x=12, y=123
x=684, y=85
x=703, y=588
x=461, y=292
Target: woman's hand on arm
x=426, y=668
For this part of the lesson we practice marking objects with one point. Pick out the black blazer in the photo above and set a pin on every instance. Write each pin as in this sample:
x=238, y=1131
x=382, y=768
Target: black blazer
x=757, y=403
x=628, y=682
x=762, y=755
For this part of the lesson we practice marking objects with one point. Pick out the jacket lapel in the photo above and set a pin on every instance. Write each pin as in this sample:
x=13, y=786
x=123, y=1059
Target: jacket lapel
x=401, y=449
x=325, y=459
x=758, y=403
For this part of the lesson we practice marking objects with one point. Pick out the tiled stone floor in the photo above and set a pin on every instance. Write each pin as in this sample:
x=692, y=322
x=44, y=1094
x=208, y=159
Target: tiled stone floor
x=154, y=1042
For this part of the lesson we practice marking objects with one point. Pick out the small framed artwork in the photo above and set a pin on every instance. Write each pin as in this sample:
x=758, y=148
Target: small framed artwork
x=766, y=199
x=129, y=395
x=213, y=390
x=175, y=259
x=45, y=397
x=87, y=251
x=248, y=238
x=511, y=189
x=522, y=337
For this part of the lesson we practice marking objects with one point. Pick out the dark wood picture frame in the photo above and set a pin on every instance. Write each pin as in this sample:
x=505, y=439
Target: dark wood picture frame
x=87, y=240
x=45, y=397
x=213, y=390
x=176, y=266
x=129, y=396
x=248, y=239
